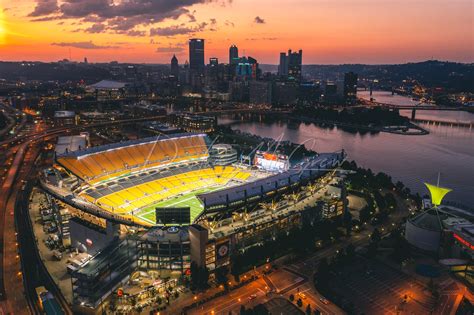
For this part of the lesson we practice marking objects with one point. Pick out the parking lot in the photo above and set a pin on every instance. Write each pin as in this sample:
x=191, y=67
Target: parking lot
x=374, y=288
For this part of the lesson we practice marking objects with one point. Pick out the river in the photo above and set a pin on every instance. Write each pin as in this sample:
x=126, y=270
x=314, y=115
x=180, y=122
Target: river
x=410, y=159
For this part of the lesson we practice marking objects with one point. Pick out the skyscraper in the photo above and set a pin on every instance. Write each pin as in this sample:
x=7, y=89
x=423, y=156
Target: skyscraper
x=290, y=65
x=283, y=66
x=295, y=61
x=174, y=67
x=233, y=55
x=196, y=54
x=350, y=87
x=213, y=61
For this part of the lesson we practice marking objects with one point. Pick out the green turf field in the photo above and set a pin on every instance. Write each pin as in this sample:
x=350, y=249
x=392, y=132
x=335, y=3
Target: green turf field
x=186, y=200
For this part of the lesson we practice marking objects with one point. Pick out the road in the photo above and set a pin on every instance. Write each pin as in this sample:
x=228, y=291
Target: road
x=18, y=279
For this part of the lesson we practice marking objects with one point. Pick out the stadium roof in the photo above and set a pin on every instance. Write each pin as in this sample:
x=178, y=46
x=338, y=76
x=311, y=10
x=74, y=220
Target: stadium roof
x=108, y=85
x=70, y=143
x=118, y=145
x=305, y=170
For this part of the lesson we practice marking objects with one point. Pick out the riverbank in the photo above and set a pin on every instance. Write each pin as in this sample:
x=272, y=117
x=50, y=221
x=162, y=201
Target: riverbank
x=412, y=160
x=399, y=130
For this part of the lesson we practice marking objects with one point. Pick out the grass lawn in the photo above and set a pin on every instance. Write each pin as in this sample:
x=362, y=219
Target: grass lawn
x=186, y=200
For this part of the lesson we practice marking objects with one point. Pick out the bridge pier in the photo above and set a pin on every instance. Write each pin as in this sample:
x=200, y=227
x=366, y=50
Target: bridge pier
x=413, y=114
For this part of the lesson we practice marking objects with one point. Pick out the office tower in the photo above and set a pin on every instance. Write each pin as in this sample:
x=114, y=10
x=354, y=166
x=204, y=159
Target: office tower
x=294, y=63
x=174, y=67
x=233, y=55
x=283, y=67
x=196, y=54
x=213, y=61
x=290, y=65
x=246, y=69
x=330, y=92
x=350, y=87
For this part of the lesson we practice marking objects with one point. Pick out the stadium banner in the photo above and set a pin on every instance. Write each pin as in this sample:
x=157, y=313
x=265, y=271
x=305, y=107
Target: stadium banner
x=171, y=216
x=222, y=251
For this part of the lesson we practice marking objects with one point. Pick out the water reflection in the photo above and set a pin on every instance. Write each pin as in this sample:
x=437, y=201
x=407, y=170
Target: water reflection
x=411, y=159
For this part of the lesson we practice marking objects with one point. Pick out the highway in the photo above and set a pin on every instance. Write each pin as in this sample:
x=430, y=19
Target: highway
x=21, y=265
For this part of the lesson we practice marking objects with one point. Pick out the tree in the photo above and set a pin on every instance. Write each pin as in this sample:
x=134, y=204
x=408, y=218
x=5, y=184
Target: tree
x=292, y=297
x=299, y=303
x=221, y=275
x=308, y=309
x=350, y=251
x=348, y=222
x=242, y=310
x=376, y=236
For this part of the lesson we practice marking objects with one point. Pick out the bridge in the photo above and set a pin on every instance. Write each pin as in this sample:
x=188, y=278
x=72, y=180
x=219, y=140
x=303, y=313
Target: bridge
x=413, y=108
x=431, y=122
x=244, y=111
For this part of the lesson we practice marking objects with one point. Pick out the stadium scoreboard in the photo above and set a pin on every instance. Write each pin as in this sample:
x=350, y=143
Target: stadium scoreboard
x=170, y=216
x=271, y=161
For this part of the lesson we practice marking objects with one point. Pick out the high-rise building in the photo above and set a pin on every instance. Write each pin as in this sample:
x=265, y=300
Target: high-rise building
x=350, y=87
x=290, y=65
x=283, y=67
x=246, y=69
x=196, y=54
x=233, y=55
x=174, y=67
x=295, y=61
x=213, y=61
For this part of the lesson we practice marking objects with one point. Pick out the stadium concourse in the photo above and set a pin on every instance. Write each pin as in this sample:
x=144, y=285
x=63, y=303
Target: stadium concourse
x=133, y=178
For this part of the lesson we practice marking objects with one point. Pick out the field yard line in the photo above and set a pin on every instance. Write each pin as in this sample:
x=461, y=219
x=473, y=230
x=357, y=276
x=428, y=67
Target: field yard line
x=145, y=219
x=178, y=202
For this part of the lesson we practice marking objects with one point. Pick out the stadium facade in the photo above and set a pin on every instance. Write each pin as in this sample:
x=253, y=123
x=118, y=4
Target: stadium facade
x=174, y=199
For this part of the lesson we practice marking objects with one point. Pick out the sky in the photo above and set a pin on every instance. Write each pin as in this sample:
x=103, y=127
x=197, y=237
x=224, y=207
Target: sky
x=151, y=31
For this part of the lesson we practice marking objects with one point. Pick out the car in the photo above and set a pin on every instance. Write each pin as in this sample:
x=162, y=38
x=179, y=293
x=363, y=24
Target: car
x=324, y=301
x=253, y=296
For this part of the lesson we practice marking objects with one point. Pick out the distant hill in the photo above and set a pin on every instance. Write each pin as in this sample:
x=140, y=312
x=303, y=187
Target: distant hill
x=431, y=73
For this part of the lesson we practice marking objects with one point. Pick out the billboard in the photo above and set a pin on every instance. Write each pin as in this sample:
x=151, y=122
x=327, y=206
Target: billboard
x=173, y=216
x=271, y=162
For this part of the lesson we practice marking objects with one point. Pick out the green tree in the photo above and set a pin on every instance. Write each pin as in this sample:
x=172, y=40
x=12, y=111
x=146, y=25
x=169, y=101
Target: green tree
x=299, y=303
x=376, y=236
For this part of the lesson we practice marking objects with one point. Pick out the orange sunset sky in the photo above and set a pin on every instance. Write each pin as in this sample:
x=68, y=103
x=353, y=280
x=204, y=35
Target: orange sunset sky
x=150, y=31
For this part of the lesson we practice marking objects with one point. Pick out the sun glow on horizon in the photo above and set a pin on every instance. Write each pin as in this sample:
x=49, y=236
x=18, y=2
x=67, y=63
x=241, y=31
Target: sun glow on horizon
x=328, y=32
x=2, y=29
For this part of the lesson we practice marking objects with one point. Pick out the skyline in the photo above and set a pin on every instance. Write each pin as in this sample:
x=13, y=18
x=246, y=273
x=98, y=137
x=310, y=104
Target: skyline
x=329, y=32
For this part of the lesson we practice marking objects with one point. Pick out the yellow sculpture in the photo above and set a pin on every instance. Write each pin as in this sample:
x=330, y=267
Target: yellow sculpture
x=437, y=193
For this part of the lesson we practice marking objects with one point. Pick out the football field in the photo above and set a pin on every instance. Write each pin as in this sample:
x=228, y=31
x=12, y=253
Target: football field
x=186, y=200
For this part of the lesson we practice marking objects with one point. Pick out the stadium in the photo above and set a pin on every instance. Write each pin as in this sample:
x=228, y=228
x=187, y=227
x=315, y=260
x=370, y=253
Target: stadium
x=158, y=204
x=173, y=180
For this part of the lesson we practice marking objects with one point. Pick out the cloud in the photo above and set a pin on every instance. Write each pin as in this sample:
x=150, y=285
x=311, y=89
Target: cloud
x=170, y=49
x=119, y=16
x=191, y=17
x=177, y=30
x=259, y=20
x=262, y=38
x=44, y=7
x=95, y=28
x=229, y=23
x=83, y=45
